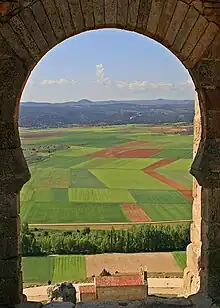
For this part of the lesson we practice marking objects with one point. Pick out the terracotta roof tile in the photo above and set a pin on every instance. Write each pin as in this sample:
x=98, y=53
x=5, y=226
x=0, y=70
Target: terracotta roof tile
x=125, y=280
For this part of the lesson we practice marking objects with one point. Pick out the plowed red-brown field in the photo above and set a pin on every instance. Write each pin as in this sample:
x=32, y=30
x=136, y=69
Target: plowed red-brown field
x=163, y=162
x=134, y=212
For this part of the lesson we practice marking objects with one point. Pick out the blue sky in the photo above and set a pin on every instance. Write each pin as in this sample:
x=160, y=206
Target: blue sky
x=108, y=64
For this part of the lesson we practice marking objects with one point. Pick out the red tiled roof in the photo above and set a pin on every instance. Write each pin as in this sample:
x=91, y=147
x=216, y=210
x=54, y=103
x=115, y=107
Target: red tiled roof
x=87, y=289
x=125, y=280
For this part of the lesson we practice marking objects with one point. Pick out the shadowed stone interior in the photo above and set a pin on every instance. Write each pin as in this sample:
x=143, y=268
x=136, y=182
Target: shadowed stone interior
x=189, y=29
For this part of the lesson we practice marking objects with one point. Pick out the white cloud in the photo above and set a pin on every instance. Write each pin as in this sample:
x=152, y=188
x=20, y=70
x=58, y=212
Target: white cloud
x=60, y=81
x=142, y=85
x=138, y=85
x=100, y=75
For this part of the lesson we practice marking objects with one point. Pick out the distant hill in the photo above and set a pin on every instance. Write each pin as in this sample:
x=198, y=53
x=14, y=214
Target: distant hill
x=86, y=112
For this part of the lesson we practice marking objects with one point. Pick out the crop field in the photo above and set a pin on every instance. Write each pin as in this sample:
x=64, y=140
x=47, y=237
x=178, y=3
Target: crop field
x=39, y=270
x=115, y=174
x=54, y=268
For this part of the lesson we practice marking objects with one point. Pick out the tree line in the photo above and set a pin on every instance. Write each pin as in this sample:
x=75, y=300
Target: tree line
x=144, y=238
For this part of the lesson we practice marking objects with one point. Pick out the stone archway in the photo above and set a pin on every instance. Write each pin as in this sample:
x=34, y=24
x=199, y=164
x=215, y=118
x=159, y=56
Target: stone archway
x=189, y=29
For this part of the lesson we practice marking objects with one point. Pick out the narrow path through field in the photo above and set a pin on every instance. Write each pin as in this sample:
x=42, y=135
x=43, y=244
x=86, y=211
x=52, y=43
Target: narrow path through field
x=104, y=225
x=164, y=162
x=134, y=212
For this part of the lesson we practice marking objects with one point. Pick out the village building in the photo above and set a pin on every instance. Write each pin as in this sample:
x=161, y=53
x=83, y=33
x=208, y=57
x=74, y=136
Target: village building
x=116, y=287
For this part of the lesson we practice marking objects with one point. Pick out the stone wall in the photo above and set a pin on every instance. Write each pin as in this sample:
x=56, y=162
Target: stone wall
x=121, y=292
x=189, y=29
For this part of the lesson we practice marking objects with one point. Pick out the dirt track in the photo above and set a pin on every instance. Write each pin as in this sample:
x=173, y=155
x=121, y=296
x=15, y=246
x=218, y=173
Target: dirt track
x=103, y=226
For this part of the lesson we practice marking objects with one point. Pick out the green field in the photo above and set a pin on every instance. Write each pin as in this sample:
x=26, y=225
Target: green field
x=54, y=268
x=72, y=182
x=180, y=257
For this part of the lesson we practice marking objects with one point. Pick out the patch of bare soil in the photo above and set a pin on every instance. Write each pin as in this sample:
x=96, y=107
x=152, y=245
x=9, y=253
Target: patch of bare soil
x=135, y=213
x=131, y=263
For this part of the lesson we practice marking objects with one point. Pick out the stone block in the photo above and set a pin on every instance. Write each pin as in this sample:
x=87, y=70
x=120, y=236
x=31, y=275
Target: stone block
x=59, y=305
x=14, y=171
x=9, y=135
x=202, y=45
x=9, y=238
x=44, y=23
x=83, y=18
x=211, y=207
x=65, y=15
x=10, y=291
x=55, y=21
x=213, y=235
x=166, y=16
x=154, y=17
x=9, y=205
x=99, y=12
x=143, y=14
x=133, y=7
x=176, y=22
x=10, y=268
x=207, y=74
x=110, y=12
x=194, y=36
x=185, y=29
x=29, y=305
x=214, y=263
x=201, y=300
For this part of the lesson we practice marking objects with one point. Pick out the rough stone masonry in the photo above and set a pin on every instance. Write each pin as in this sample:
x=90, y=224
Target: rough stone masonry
x=190, y=30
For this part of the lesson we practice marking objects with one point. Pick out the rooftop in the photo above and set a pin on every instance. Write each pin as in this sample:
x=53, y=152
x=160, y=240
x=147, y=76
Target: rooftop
x=125, y=280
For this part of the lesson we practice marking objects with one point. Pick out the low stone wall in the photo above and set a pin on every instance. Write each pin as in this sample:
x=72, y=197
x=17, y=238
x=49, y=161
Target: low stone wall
x=122, y=292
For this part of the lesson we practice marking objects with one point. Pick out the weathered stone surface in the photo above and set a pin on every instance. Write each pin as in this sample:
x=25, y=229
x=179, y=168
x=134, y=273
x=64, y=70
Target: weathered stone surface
x=110, y=12
x=165, y=19
x=59, y=305
x=28, y=19
x=11, y=8
x=201, y=300
x=22, y=32
x=194, y=36
x=54, y=18
x=44, y=23
x=9, y=205
x=65, y=16
x=9, y=135
x=151, y=301
x=189, y=22
x=133, y=7
x=29, y=305
x=79, y=15
x=207, y=74
x=15, y=43
x=176, y=22
x=99, y=12
x=204, y=42
x=211, y=208
x=12, y=69
x=14, y=172
x=143, y=15
x=10, y=268
x=154, y=17
x=10, y=291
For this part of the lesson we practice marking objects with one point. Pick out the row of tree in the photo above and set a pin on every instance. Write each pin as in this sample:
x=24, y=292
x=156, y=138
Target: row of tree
x=145, y=238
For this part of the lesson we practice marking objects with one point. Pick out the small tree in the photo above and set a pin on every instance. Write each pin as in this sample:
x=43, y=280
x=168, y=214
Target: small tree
x=105, y=273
